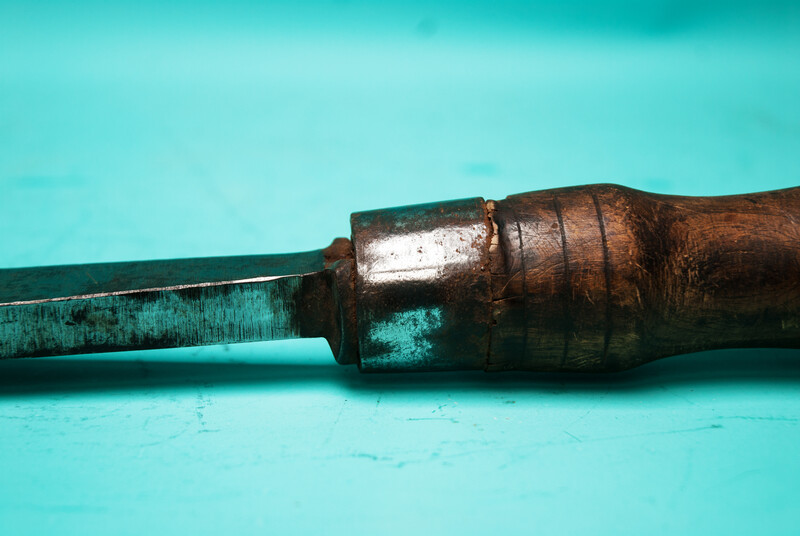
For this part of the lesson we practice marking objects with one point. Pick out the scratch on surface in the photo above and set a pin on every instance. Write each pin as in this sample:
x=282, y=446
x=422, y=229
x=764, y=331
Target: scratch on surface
x=666, y=432
x=202, y=403
x=90, y=276
x=576, y=438
x=377, y=408
x=372, y=457
x=586, y=414
x=166, y=439
x=440, y=407
x=757, y=418
x=677, y=395
x=335, y=423
x=449, y=419
x=744, y=475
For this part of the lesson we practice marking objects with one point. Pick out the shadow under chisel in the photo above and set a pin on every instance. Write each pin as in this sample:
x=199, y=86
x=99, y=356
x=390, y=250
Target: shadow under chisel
x=590, y=278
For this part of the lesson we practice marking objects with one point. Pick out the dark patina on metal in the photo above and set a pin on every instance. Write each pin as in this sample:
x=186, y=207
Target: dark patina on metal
x=422, y=286
x=62, y=310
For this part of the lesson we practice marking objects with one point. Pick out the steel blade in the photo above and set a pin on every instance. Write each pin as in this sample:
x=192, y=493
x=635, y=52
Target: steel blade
x=60, y=310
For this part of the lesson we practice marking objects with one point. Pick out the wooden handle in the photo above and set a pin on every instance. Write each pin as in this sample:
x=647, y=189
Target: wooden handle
x=606, y=278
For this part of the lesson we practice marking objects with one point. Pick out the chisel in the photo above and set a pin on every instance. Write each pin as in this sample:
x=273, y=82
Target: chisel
x=588, y=278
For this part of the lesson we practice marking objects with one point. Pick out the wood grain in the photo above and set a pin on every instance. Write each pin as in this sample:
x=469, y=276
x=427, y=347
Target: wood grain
x=605, y=277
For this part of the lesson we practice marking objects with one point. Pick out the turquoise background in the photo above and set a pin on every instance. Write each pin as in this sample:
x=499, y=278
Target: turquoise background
x=159, y=130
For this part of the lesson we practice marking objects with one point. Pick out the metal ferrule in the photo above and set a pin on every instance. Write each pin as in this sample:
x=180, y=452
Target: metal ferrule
x=422, y=286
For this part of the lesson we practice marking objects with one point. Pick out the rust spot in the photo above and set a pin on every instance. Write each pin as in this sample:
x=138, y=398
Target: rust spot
x=340, y=249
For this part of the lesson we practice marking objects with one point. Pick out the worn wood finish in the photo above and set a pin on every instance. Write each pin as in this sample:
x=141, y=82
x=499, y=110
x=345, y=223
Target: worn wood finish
x=604, y=277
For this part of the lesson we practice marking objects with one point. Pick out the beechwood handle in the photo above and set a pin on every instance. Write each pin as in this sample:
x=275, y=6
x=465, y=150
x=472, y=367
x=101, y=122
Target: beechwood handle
x=604, y=277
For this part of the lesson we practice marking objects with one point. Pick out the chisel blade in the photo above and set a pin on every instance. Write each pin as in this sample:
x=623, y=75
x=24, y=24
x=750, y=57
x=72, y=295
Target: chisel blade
x=76, y=309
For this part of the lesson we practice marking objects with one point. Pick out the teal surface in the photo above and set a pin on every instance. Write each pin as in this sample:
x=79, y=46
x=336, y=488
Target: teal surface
x=150, y=130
